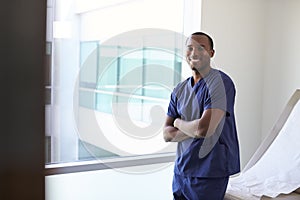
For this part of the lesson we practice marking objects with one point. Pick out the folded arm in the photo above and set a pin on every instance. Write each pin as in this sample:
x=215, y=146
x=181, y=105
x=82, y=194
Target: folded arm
x=172, y=134
x=203, y=127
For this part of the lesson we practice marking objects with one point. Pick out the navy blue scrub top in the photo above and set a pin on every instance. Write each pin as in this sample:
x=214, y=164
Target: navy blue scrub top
x=215, y=156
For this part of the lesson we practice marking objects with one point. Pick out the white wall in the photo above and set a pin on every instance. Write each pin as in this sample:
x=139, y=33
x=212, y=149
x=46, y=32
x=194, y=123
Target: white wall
x=282, y=66
x=113, y=185
x=257, y=45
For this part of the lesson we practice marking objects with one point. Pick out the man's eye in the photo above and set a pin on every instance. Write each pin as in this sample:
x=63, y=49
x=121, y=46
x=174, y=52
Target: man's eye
x=200, y=48
x=190, y=48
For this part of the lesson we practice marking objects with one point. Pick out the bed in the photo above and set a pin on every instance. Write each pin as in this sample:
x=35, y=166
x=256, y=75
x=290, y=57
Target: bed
x=273, y=172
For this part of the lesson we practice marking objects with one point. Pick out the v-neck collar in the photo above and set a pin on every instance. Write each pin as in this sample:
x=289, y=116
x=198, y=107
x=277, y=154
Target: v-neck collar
x=191, y=81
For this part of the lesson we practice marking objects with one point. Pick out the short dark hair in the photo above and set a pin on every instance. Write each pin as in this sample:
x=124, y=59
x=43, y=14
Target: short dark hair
x=211, y=42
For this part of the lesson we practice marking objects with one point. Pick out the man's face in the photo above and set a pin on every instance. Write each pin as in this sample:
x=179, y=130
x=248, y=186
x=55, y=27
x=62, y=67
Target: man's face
x=198, y=52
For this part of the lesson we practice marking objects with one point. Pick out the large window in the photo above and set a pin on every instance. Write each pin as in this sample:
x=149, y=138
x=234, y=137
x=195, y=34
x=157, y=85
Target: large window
x=113, y=67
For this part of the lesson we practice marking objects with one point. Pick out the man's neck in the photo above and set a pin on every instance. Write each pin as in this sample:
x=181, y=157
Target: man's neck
x=197, y=76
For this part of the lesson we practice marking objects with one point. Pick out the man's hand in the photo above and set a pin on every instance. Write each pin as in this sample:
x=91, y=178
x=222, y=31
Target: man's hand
x=171, y=133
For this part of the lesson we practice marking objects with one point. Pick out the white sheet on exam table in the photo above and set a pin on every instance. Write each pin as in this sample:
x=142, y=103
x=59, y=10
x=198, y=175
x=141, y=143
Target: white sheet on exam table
x=278, y=170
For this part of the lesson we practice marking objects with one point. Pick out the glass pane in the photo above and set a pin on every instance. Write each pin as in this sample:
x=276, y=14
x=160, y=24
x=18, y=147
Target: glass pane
x=112, y=71
x=88, y=63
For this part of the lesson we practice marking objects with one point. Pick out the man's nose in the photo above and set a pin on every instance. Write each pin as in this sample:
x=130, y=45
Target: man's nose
x=195, y=53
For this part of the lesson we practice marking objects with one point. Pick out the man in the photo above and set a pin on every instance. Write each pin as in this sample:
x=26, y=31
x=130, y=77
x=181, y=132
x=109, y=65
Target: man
x=201, y=119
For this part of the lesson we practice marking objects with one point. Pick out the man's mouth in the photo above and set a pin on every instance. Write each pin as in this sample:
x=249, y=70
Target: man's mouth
x=194, y=60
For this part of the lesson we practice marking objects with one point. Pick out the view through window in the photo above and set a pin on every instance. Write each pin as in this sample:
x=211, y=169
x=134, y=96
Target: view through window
x=111, y=66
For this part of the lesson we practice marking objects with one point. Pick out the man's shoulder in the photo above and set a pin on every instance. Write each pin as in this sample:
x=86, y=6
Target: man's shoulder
x=225, y=77
x=223, y=74
x=220, y=81
x=183, y=84
x=181, y=88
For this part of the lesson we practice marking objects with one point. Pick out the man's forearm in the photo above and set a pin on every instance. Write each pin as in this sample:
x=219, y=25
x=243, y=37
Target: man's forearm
x=172, y=134
x=190, y=128
x=202, y=127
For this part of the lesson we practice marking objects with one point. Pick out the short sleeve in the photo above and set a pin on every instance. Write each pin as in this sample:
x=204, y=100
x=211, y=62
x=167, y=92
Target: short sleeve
x=172, y=109
x=221, y=91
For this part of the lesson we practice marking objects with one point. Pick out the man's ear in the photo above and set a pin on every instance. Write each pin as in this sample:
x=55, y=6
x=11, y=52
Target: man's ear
x=212, y=53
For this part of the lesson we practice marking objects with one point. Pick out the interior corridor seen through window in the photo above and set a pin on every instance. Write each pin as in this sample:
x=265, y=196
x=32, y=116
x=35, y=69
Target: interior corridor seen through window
x=112, y=67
